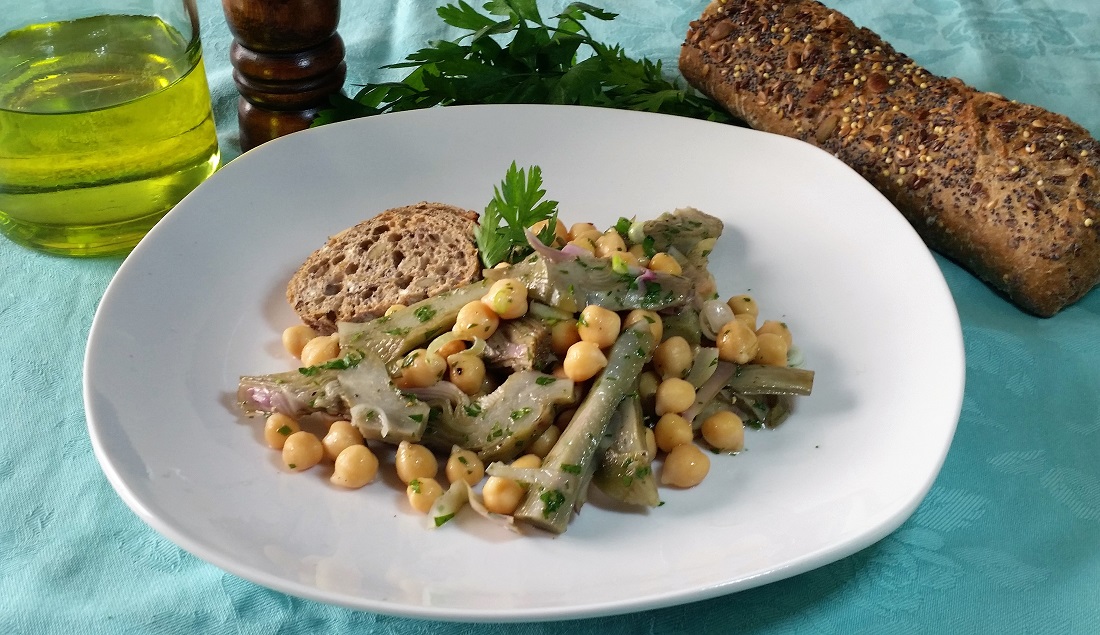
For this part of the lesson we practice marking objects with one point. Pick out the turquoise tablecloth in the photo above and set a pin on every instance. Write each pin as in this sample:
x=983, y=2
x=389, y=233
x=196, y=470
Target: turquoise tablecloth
x=1007, y=541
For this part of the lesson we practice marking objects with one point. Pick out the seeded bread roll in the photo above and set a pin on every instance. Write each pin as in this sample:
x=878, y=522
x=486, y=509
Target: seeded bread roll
x=400, y=256
x=1008, y=190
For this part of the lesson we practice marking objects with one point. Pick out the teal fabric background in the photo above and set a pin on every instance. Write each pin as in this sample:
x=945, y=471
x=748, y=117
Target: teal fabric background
x=1007, y=541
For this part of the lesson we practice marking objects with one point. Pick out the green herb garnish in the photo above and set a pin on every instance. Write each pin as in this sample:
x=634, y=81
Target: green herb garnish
x=342, y=363
x=545, y=380
x=622, y=226
x=424, y=313
x=517, y=205
x=510, y=54
x=552, y=500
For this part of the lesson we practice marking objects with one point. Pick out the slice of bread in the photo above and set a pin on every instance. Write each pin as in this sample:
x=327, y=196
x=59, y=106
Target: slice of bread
x=400, y=256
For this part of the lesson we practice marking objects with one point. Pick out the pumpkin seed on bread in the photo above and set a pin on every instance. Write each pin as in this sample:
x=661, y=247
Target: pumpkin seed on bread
x=401, y=256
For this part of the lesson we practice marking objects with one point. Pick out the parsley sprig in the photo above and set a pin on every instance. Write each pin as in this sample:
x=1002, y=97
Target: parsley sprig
x=510, y=54
x=517, y=205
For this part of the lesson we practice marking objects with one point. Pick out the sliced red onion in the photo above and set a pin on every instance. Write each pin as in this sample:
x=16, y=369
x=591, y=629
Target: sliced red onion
x=573, y=251
x=709, y=389
x=551, y=254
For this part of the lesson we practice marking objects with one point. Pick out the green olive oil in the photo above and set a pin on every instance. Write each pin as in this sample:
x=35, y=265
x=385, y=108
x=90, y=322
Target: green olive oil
x=105, y=124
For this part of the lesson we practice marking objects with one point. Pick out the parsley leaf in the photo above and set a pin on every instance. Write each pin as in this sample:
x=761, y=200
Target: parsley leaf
x=517, y=205
x=510, y=54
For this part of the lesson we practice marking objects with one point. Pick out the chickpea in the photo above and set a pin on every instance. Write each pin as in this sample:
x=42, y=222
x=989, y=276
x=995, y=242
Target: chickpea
x=748, y=319
x=672, y=430
x=743, y=303
x=599, y=326
x=638, y=251
x=420, y=369
x=685, y=466
x=610, y=242
x=320, y=350
x=414, y=461
x=467, y=372
x=706, y=287
x=578, y=229
x=772, y=350
x=583, y=361
x=476, y=320
x=277, y=428
x=736, y=342
x=563, y=334
x=422, y=493
x=296, y=337
x=674, y=395
x=341, y=435
x=355, y=466
x=543, y=443
x=725, y=431
x=394, y=308
x=561, y=234
x=533, y=461
x=302, y=451
x=464, y=465
x=627, y=258
x=665, y=263
x=451, y=347
x=501, y=495
x=777, y=327
x=507, y=298
x=656, y=325
x=584, y=242
x=672, y=357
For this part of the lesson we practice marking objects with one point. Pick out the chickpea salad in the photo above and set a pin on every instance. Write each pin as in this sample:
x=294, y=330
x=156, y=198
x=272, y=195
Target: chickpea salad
x=584, y=357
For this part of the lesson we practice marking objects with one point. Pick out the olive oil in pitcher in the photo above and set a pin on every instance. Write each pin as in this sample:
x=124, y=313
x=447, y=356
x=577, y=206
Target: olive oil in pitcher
x=105, y=124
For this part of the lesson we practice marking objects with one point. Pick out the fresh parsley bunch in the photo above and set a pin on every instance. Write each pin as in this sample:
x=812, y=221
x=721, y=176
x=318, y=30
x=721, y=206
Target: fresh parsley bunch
x=512, y=55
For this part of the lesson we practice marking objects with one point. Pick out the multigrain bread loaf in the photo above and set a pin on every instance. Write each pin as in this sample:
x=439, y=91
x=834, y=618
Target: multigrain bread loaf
x=400, y=256
x=1010, y=191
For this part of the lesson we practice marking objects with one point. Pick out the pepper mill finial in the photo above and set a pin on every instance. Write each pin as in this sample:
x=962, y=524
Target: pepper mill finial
x=287, y=59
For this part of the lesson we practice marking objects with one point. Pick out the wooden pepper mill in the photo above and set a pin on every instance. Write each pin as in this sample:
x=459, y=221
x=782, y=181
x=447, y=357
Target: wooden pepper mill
x=287, y=59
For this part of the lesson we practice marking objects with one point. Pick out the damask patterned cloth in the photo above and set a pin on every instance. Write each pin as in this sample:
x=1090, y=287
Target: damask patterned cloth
x=1007, y=540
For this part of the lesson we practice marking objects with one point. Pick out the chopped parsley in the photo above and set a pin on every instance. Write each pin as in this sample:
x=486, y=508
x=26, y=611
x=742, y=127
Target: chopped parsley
x=519, y=414
x=284, y=430
x=414, y=485
x=545, y=380
x=343, y=363
x=424, y=313
x=473, y=410
x=571, y=468
x=552, y=500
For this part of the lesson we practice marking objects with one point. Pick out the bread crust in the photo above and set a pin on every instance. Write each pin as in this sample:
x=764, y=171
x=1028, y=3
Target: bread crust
x=401, y=256
x=1010, y=191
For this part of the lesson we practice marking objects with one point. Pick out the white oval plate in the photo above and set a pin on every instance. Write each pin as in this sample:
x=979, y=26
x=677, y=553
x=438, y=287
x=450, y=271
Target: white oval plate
x=201, y=301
